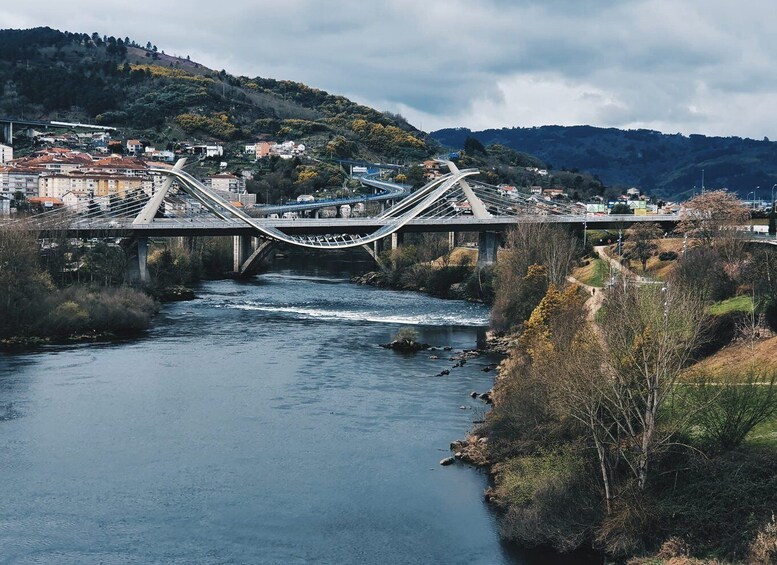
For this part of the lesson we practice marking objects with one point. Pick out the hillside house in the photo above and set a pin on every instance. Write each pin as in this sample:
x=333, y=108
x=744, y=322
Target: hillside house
x=226, y=182
x=262, y=149
x=134, y=147
x=209, y=150
x=553, y=193
x=432, y=169
x=159, y=155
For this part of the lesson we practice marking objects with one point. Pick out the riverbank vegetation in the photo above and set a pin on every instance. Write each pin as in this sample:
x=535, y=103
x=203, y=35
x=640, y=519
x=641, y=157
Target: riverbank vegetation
x=616, y=430
x=35, y=307
x=427, y=264
x=61, y=288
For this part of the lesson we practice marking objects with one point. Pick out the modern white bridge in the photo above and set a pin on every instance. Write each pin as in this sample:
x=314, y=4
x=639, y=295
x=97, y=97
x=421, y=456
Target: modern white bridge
x=451, y=203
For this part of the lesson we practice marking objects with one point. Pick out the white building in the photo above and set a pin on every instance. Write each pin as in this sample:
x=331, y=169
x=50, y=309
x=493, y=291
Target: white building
x=6, y=153
x=226, y=182
x=13, y=180
x=209, y=150
x=134, y=146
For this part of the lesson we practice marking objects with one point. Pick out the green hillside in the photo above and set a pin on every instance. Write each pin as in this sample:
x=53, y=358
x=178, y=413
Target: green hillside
x=48, y=74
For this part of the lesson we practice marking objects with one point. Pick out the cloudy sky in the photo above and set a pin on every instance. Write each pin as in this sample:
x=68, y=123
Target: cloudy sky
x=695, y=66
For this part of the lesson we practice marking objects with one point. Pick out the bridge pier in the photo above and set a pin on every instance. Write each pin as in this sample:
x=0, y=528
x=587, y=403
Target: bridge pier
x=241, y=250
x=137, y=265
x=261, y=251
x=185, y=241
x=488, y=244
x=8, y=133
x=451, y=240
x=397, y=239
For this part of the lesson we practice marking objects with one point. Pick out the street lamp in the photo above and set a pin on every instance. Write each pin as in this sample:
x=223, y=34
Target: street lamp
x=774, y=185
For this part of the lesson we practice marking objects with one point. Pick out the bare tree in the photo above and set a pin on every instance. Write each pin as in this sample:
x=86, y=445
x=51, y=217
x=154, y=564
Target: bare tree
x=715, y=219
x=518, y=285
x=641, y=244
x=548, y=245
x=649, y=335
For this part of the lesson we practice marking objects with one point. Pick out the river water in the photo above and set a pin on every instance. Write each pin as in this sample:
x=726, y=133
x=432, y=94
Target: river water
x=261, y=423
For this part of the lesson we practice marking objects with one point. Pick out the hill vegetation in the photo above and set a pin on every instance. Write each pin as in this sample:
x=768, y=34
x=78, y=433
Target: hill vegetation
x=669, y=165
x=51, y=74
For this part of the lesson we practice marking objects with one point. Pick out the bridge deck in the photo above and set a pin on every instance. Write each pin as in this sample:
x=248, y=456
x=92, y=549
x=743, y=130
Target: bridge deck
x=171, y=227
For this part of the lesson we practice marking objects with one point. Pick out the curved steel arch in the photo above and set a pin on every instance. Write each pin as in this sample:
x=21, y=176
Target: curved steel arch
x=408, y=209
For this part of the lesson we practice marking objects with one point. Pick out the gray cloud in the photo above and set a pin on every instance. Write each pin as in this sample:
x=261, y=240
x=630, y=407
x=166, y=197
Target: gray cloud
x=691, y=66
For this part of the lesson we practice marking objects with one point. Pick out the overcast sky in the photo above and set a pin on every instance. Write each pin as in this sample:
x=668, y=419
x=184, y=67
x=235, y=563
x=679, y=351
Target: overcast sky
x=704, y=66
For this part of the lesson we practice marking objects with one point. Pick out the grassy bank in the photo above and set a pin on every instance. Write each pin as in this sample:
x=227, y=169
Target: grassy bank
x=595, y=273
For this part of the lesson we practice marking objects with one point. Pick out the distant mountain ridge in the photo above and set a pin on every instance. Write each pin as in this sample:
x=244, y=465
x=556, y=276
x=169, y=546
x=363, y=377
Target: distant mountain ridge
x=669, y=165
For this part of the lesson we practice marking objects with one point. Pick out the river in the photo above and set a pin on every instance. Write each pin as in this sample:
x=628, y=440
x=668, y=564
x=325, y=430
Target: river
x=260, y=423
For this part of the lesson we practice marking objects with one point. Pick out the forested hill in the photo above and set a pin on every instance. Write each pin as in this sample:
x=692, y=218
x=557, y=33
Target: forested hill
x=49, y=74
x=669, y=165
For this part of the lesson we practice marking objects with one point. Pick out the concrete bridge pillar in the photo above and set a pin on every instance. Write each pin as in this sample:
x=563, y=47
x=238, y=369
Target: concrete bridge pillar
x=488, y=243
x=8, y=133
x=137, y=264
x=451, y=240
x=143, y=259
x=397, y=239
x=241, y=250
x=377, y=247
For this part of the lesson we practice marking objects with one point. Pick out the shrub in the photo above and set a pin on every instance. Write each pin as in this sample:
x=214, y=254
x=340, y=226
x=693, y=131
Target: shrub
x=703, y=271
x=480, y=284
x=719, y=504
x=440, y=280
x=216, y=256
x=551, y=501
x=729, y=406
x=67, y=318
x=406, y=334
x=667, y=256
x=627, y=529
x=770, y=314
x=413, y=277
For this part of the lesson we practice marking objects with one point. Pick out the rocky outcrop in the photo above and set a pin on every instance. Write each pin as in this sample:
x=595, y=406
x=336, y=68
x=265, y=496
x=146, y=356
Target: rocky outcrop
x=175, y=294
x=373, y=278
x=472, y=450
x=406, y=345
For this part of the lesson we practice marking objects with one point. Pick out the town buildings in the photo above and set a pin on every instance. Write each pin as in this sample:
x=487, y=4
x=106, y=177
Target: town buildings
x=284, y=150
